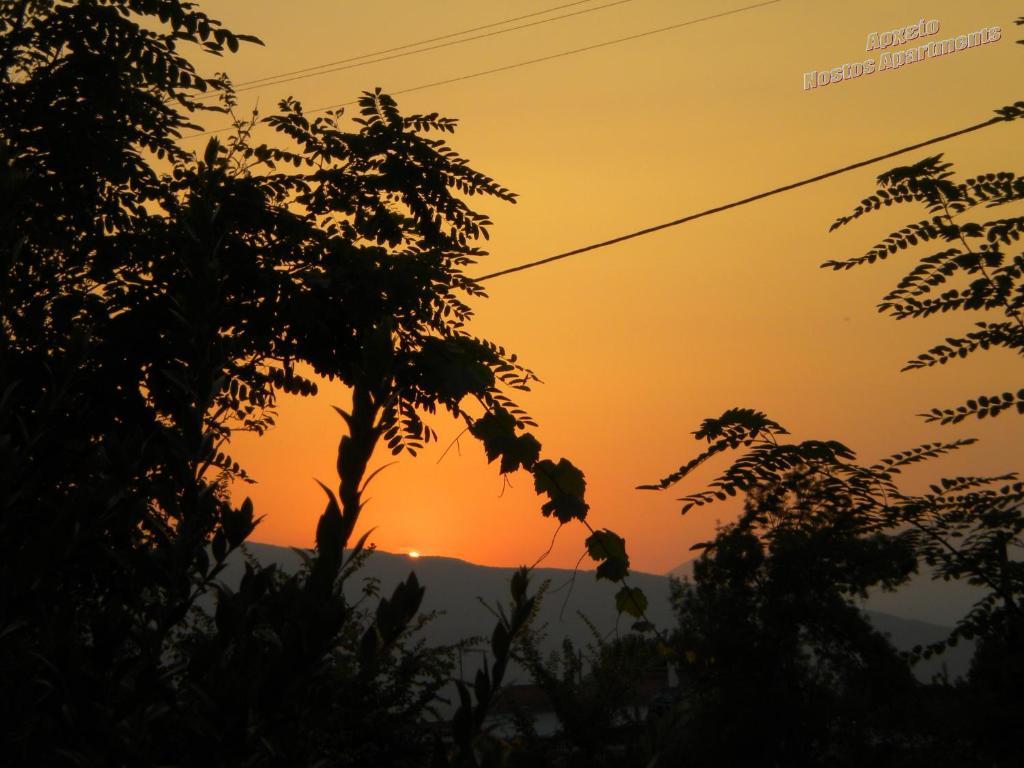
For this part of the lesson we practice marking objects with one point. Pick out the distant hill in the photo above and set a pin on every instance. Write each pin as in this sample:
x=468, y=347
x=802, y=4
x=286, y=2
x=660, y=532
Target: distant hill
x=455, y=589
x=922, y=599
x=683, y=570
x=920, y=612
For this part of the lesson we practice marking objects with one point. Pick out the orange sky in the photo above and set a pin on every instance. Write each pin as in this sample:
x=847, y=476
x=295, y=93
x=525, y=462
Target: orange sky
x=638, y=342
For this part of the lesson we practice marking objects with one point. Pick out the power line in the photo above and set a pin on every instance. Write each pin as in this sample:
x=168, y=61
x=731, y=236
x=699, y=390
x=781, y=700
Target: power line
x=744, y=201
x=358, y=61
x=517, y=65
x=419, y=42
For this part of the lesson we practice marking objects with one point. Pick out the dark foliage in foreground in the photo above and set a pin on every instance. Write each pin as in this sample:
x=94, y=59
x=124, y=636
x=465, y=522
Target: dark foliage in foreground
x=153, y=303
x=781, y=666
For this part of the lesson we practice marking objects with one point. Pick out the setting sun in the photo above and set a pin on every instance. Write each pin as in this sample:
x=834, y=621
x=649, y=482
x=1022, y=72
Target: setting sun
x=414, y=553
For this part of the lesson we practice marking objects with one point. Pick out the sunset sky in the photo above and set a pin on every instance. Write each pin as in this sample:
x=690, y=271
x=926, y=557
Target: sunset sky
x=638, y=342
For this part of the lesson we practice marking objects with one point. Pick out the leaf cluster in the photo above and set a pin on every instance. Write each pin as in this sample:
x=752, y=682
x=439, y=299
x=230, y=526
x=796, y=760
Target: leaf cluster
x=979, y=266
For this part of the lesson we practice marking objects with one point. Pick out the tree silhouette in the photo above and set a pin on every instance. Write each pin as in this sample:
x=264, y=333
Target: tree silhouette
x=153, y=303
x=978, y=255
x=873, y=532
x=776, y=659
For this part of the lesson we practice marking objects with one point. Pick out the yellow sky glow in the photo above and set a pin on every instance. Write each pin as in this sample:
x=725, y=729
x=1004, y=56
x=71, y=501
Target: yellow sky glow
x=638, y=342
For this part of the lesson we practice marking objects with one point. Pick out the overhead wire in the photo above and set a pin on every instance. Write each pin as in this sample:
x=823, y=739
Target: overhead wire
x=528, y=62
x=744, y=201
x=415, y=43
x=693, y=216
x=345, y=64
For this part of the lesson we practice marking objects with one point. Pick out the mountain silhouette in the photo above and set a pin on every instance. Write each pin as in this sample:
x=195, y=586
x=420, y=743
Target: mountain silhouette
x=459, y=592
